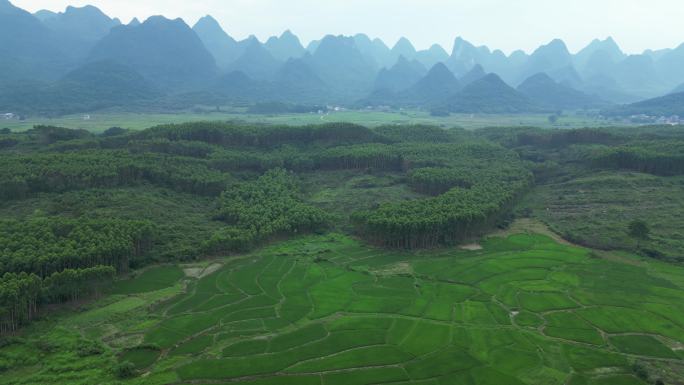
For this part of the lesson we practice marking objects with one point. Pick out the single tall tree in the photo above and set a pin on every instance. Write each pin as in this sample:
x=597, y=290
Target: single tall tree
x=639, y=230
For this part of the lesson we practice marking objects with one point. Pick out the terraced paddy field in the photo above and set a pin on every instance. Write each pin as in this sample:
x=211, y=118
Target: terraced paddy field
x=327, y=310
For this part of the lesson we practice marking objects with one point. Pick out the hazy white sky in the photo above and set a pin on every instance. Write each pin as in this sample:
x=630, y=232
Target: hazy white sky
x=502, y=24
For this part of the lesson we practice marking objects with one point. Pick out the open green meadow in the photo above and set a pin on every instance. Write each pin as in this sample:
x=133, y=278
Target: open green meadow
x=99, y=122
x=329, y=310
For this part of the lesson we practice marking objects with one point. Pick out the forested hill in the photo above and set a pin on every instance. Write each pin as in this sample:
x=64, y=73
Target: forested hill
x=668, y=105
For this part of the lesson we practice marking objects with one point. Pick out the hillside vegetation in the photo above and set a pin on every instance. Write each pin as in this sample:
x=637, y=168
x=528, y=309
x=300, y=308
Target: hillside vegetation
x=326, y=254
x=592, y=183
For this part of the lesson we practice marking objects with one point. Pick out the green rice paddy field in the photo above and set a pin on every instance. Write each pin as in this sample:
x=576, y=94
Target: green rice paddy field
x=327, y=310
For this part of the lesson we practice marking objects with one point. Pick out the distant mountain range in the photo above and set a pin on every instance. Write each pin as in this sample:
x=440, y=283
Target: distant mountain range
x=546, y=92
x=81, y=59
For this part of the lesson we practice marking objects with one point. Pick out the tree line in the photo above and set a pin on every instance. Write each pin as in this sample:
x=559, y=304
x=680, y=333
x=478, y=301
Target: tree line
x=27, y=174
x=263, y=136
x=22, y=294
x=437, y=180
x=55, y=260
x=446, y=219
x=475, y=185
x=46, y=246
x=376, y=156
x=663, y=158
x=512, y=137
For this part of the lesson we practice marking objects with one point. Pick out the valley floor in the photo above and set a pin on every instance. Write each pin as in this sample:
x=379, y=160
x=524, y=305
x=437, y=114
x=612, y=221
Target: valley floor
x=328, y=310
x=100, y=121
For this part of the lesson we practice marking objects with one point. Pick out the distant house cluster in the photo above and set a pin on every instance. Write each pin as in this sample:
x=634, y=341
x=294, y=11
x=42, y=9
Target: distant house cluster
x=380, y=108
x=674, y=120
x=9, y=116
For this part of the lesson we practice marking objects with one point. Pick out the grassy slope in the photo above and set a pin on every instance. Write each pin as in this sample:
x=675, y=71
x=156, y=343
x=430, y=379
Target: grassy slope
x=596, y=209
x=344, y=192
x=435, y=317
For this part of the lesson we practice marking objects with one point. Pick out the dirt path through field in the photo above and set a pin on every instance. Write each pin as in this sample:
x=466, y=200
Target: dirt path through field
x=527, y=226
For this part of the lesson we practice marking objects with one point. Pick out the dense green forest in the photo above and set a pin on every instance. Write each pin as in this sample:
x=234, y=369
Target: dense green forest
x=249, y=176
x=45, y=246
x=258, y=210
x=75, y=203
x=479, y=183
